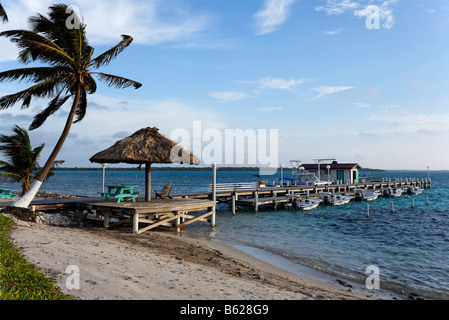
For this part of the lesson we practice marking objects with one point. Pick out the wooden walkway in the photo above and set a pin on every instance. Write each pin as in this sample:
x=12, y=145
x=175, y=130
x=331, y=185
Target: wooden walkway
x=273, y=196
x=189, y=207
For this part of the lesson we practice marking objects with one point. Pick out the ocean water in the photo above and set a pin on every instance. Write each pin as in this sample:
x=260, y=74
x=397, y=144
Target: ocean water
x=410, y=247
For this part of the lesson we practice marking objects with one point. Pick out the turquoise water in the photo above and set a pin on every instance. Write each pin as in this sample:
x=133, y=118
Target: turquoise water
x=410, y=247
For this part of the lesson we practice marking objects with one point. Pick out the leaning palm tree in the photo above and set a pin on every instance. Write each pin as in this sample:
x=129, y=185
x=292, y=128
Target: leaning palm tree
x=21, y=165
x=64, y=47
x=3, y=15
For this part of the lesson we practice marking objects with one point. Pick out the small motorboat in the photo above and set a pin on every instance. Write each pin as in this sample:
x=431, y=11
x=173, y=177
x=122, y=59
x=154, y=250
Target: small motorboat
x=309, y=204
x=302, y=204
x=414, y=190
x=371, y=196
x=361, y=195
x=336, y=200
x=392, y=193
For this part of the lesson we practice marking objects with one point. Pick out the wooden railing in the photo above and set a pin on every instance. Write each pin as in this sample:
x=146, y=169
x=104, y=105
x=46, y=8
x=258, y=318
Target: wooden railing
x=219, y=187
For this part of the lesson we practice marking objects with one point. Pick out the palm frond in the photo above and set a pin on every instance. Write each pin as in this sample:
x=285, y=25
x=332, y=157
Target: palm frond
x=58, y=28
x=9, y=143
x=37, y=74
x=3, y=15
x=53, y=106
x=106, y=57
x=18, y=152
x=118, y=82
x=44, y=89
x=10, y=176
x=90, y=85
x=32, y=46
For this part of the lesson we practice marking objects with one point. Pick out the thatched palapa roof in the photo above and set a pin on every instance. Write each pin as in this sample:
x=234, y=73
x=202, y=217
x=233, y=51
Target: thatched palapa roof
x=144, y=147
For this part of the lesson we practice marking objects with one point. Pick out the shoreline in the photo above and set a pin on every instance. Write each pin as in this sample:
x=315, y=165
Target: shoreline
x=158, y=266
x=271, y=265
x=278, y=264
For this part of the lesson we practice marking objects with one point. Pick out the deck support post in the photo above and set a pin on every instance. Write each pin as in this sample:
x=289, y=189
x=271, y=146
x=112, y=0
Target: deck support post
x=212, y=217
x=106, y=219
x=135, y=223
x=178, y=221
x=256, y=201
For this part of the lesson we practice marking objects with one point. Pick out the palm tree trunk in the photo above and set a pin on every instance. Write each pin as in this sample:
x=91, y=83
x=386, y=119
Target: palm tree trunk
x=26, y=199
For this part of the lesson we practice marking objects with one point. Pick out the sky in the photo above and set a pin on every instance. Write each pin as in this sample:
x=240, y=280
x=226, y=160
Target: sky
x=361, y=81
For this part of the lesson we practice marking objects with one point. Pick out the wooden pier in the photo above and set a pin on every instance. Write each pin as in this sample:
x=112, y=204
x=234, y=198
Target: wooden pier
x=253, y=195
x=189, y=207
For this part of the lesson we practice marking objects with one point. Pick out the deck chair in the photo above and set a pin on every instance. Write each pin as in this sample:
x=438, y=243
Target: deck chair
x=165, y=193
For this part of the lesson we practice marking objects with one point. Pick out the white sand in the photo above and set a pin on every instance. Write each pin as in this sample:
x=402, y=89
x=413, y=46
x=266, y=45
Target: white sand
x=113, y=268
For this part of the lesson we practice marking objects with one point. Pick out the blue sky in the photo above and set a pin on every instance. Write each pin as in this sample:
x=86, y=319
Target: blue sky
x=309, y=68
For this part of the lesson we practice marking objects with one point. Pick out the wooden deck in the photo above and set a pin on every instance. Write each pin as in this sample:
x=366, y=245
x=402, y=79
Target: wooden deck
x=177, y=213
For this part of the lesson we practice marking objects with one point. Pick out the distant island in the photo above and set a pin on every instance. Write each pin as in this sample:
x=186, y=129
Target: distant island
x=180, y=168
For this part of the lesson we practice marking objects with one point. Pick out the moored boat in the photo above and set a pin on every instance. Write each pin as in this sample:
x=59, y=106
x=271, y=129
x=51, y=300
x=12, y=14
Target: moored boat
x=361, y=195
x=336, y=200
x=414, y=190
x=392, y=193
x=309, y=204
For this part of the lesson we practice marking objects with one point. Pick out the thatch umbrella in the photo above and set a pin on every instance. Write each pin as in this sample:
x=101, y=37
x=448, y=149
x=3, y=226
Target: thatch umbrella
x=146, y=146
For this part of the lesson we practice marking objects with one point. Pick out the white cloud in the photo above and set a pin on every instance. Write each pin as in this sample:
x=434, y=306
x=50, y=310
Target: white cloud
x=361, y=8
x=336, y=7
x=412, y=122
x=327, y=90
x=229, y=96
x=272, y=15
x=333, y=32
x=148, y=22
x=277, y=83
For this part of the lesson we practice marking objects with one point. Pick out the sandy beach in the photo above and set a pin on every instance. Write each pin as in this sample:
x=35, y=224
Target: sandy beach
x=159, y=266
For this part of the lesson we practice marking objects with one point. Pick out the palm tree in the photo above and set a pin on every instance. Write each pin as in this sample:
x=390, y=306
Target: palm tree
x=23, y=164
x=65, y=48
x=3, y=15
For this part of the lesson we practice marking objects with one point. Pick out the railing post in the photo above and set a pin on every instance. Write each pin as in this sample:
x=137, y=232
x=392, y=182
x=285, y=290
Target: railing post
x=256, y=201
x=214, y=181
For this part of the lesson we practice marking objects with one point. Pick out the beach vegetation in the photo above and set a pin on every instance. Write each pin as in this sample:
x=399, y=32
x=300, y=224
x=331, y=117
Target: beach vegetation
x=21, y=165
x=59, y=42
x=19, y=279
